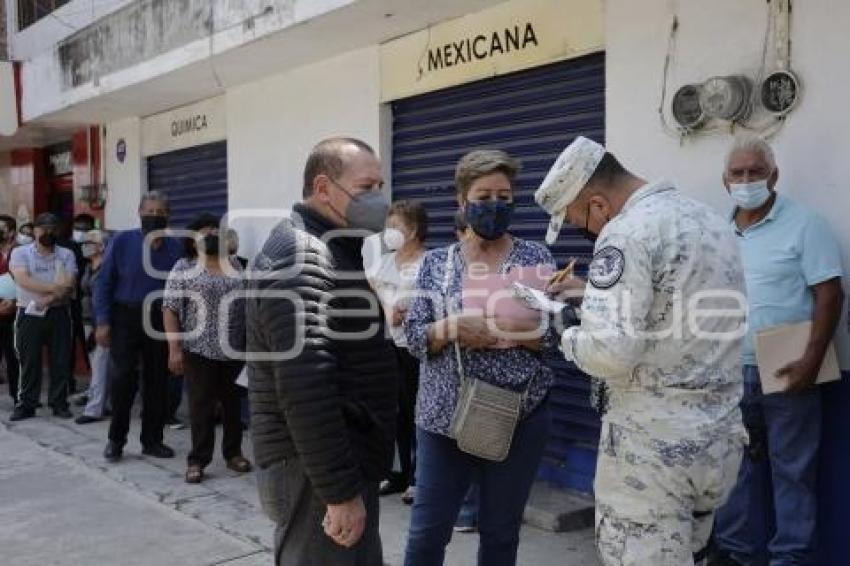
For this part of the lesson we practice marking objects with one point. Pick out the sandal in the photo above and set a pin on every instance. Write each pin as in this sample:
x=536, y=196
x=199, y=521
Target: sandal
x=239, y=464
x=409, y=496
x=194, y=474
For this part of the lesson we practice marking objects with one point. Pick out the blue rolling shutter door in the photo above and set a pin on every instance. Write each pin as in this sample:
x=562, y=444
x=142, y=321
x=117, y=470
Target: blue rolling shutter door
x=194, y=179
x=532, y=115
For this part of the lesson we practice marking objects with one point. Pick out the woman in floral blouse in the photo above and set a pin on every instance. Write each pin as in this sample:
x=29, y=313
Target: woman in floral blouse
x=197, y=288
x=434, y=322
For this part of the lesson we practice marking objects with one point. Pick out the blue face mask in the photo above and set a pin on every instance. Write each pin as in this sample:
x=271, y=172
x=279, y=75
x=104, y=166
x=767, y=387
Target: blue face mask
x=749, y=196
x=489, y=219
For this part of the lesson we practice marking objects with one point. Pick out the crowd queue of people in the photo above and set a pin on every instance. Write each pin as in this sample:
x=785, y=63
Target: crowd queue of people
x=363, y=349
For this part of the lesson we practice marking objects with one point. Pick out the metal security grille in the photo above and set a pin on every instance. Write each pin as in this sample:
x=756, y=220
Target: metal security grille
x=194, y=179
x=532, y=115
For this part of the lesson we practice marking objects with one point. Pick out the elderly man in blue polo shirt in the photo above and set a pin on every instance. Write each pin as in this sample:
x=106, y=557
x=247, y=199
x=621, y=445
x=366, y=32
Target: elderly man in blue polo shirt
x=125, y=281
x=792, y=267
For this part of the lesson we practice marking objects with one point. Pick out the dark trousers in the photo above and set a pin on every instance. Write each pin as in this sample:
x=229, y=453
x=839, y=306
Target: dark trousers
x=406, y=418
x=32, y=334
x=773, y=507
x=443, y=477
x=175, y=396
x=209, y=382
x=288, y=499
x=78, y=340
x=8, y=353
x=129, y=344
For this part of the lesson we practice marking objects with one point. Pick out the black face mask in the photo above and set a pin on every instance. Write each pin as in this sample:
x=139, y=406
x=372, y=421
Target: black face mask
x=585, y=231
x=489, y=219
x=211, y=244
x=153, y=222
x=47, y=240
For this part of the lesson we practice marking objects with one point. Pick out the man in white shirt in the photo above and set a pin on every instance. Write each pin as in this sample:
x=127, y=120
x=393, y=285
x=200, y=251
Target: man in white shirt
x=45, y=274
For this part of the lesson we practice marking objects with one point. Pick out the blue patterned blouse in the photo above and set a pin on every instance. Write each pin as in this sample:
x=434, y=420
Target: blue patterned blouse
x=512, y=368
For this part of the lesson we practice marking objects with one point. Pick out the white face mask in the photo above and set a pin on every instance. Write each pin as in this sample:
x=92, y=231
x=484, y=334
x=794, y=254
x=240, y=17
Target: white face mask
x=749, y=196
x=89, y=250
x=393, y=239
x=24, y=240
x=78, y=236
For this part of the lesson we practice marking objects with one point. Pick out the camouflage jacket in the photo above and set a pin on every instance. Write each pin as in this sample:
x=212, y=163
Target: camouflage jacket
x=663, y=317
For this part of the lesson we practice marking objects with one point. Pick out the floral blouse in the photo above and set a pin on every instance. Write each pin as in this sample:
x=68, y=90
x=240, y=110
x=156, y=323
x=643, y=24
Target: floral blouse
x=212, y=290
x=513, y=368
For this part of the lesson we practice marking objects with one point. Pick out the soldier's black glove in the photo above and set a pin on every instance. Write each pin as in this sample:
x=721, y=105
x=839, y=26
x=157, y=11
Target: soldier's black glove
x=567, y=318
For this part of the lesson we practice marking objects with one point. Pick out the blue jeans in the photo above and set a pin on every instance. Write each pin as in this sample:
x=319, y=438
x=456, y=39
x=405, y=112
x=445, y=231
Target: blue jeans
x=443, y=475
x=468, y=515
x=774, y=503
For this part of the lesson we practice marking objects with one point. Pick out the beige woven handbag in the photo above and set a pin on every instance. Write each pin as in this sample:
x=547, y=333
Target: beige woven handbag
x=486, y=415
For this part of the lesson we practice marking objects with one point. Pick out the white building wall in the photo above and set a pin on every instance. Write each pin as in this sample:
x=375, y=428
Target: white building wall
x=124, y=180
x=116, y=64
x=48, y=31
x=725, y=37
x=273, y=123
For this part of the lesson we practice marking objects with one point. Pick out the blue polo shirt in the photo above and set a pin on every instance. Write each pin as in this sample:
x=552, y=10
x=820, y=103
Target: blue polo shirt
x=123, y=278
x=784, y=255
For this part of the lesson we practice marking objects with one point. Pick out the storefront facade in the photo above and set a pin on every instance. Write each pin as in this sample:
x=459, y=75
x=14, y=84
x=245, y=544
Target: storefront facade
x=424, y=84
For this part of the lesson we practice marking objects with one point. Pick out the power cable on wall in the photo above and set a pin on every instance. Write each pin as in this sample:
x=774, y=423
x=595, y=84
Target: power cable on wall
x=766, y=129
x=671, y=42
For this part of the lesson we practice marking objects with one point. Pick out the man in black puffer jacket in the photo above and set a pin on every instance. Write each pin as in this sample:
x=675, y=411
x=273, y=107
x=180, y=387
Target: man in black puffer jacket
x=323, y=412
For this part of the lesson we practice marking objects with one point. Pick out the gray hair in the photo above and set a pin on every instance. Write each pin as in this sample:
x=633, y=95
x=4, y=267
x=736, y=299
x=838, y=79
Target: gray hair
x=156, y=196
x=751, y=143
x=483, y=162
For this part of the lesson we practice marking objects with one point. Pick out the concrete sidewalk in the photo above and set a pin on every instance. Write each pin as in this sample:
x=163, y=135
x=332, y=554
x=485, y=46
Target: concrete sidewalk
x=61, y=503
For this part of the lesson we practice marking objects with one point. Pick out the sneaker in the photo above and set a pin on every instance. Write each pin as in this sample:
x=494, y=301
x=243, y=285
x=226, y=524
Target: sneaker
x=22, y=413
x=113, y=452
x=158, y=451
x=63, y=413
x=80, y=400
x=85, y=419
x=465, y=528
x=409, y=496
x=391, y=486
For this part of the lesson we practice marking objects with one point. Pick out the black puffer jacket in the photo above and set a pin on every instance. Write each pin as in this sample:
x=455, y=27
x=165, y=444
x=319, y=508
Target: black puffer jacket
x=332, y=403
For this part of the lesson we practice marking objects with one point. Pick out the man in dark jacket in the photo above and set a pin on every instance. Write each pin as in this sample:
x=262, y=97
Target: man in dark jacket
x=322, y=373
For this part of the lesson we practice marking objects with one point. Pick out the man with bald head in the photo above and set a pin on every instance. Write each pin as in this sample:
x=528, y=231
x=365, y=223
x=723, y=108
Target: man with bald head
x=793, y=271
x=322, y=375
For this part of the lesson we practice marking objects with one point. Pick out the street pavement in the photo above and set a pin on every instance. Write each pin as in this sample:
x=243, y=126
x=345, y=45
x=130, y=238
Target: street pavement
x=61, y=503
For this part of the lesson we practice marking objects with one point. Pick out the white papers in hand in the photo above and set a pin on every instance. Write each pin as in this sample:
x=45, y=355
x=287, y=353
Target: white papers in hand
x=242, y=380
x=778, y=346
x=536, y=299
x=33, y=310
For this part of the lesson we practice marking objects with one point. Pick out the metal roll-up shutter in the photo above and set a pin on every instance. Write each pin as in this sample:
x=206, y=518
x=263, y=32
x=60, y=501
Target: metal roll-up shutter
x=532, y=115
x=194, y=179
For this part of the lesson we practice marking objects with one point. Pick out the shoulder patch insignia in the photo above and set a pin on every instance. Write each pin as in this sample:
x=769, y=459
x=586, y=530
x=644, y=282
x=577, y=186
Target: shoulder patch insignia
x=606, y=268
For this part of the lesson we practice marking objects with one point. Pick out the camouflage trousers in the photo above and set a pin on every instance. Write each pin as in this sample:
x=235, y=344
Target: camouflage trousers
x=655, y=500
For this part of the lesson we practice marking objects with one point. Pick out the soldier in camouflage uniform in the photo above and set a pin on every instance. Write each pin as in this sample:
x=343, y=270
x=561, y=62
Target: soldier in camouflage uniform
x=672, y=439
